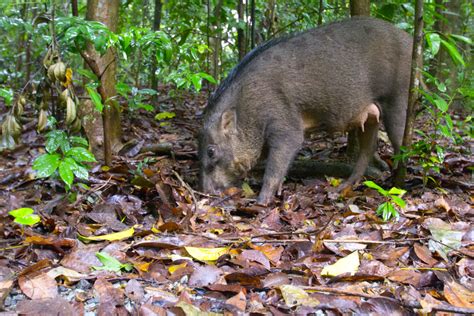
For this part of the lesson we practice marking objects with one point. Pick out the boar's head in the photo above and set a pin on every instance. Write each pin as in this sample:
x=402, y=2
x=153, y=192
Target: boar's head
x=224, y=152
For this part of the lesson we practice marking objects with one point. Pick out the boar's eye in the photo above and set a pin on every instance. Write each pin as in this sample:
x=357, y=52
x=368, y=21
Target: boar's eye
x=211, y=151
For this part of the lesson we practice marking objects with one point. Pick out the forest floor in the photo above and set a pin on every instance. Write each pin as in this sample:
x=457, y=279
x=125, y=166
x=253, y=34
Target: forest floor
x=187, y=253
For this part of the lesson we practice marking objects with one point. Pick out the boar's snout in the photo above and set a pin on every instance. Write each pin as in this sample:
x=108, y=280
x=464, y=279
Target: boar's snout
x=216, y=181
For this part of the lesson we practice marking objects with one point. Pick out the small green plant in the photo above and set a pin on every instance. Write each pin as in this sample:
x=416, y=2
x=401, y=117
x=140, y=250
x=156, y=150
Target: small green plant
x=135, y=97
x=393, y=198
x=7, y=95
x=24, y=216
x=66, y=155
x=109, y=263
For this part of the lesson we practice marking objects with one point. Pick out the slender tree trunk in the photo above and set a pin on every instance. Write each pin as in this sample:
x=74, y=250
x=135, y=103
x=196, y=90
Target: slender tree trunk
x=252, y=27
x=216, y=40
x=74, y=9
x=241, y=31
x=320, y=12
x=360, y=7
x=105, y=11
x=154, y=63
x=269, y=23
x=416, y=66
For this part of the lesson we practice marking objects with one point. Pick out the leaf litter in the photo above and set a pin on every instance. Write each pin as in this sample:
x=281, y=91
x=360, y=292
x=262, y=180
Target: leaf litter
x=141, y=240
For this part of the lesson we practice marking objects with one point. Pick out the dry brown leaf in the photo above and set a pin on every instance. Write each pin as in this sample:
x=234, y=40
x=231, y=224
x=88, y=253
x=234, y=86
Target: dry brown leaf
x=411, y=277
x=38, y=286
x=424, y=254
x=458, y=295
x=238, y=301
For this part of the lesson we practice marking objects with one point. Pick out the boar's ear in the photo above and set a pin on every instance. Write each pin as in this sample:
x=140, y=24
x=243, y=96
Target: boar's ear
x=228, y=121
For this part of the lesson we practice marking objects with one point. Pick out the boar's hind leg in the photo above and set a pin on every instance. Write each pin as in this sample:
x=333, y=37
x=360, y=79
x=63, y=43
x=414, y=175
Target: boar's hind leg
x=367, y=141
x=282, y=150
x=394, y=121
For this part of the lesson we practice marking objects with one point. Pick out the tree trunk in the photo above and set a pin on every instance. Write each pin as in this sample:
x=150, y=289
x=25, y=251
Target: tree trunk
x=216, y=40
x=105, y=11
x=449, y=23
x=320, y=12
x=240, y=31
x=360, y=7
x=416, y=66
x=252, y=27
x=74, y=9
x=156, y=27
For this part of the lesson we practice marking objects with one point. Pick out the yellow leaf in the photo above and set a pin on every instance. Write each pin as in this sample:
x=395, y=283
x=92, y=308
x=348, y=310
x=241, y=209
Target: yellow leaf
x=124, y=234
x=68, y=79
x=295, y=296
x=248, y=192
x=191, y=310
x=348, y=264
x=172, y=269
x=206, y=254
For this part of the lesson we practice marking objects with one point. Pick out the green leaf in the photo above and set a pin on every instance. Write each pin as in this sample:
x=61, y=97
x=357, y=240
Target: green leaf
x=96, y=99
x=440, y=103
x=7, y=94
x=207, y=77
x=80, y=171
x=88, y=74
x=77, y=140
x=164, y=115
x=21, y=212
x=65, y=171
x=434, y=42
x=46, y=165
x=80, y=154
x=396, y=191
x=196, y=80
x=110, y=263
x=56, y=139
x=461, y=38
x=25, y=216
x=453, y=52
x=375, y=186
x=399, y=201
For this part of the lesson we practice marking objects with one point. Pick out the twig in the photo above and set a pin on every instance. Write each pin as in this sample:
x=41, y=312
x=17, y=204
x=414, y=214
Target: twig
x=441, y=308
x=189, y=215
x=351, y=241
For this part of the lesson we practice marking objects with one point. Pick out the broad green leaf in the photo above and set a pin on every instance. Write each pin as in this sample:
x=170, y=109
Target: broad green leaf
x=375, y=186
x=21, y=212
x=124, y=234
x=111, y=264
x=77, y=140
x=295, y=296
x=80, y=154
x=396, y=191
x=46, y=164
x=461, y=38
x=434, y=42
x=65, y=171
x=56, y=139
x=7, y=95
x=196, y=80
x=453, y=52
x=207, y=77
x=440, y=103
x=164, y=115
x=88, y=74
x=399, y=201
x=80, y=171
x=206, y=254
x=348, y=264
x=96, y=99
x=147, y=92
x=25, y=216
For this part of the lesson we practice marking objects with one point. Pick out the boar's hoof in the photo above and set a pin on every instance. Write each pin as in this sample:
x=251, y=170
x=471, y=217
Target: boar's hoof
x=264, y=200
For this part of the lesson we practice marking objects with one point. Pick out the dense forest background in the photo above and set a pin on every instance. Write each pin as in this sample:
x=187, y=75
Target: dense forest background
x=101, y=102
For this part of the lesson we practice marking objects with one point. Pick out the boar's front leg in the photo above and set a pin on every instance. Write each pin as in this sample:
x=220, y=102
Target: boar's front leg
x=283, y=146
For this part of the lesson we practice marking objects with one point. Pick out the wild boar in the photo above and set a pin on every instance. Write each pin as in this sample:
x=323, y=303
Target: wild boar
x=343, y=76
